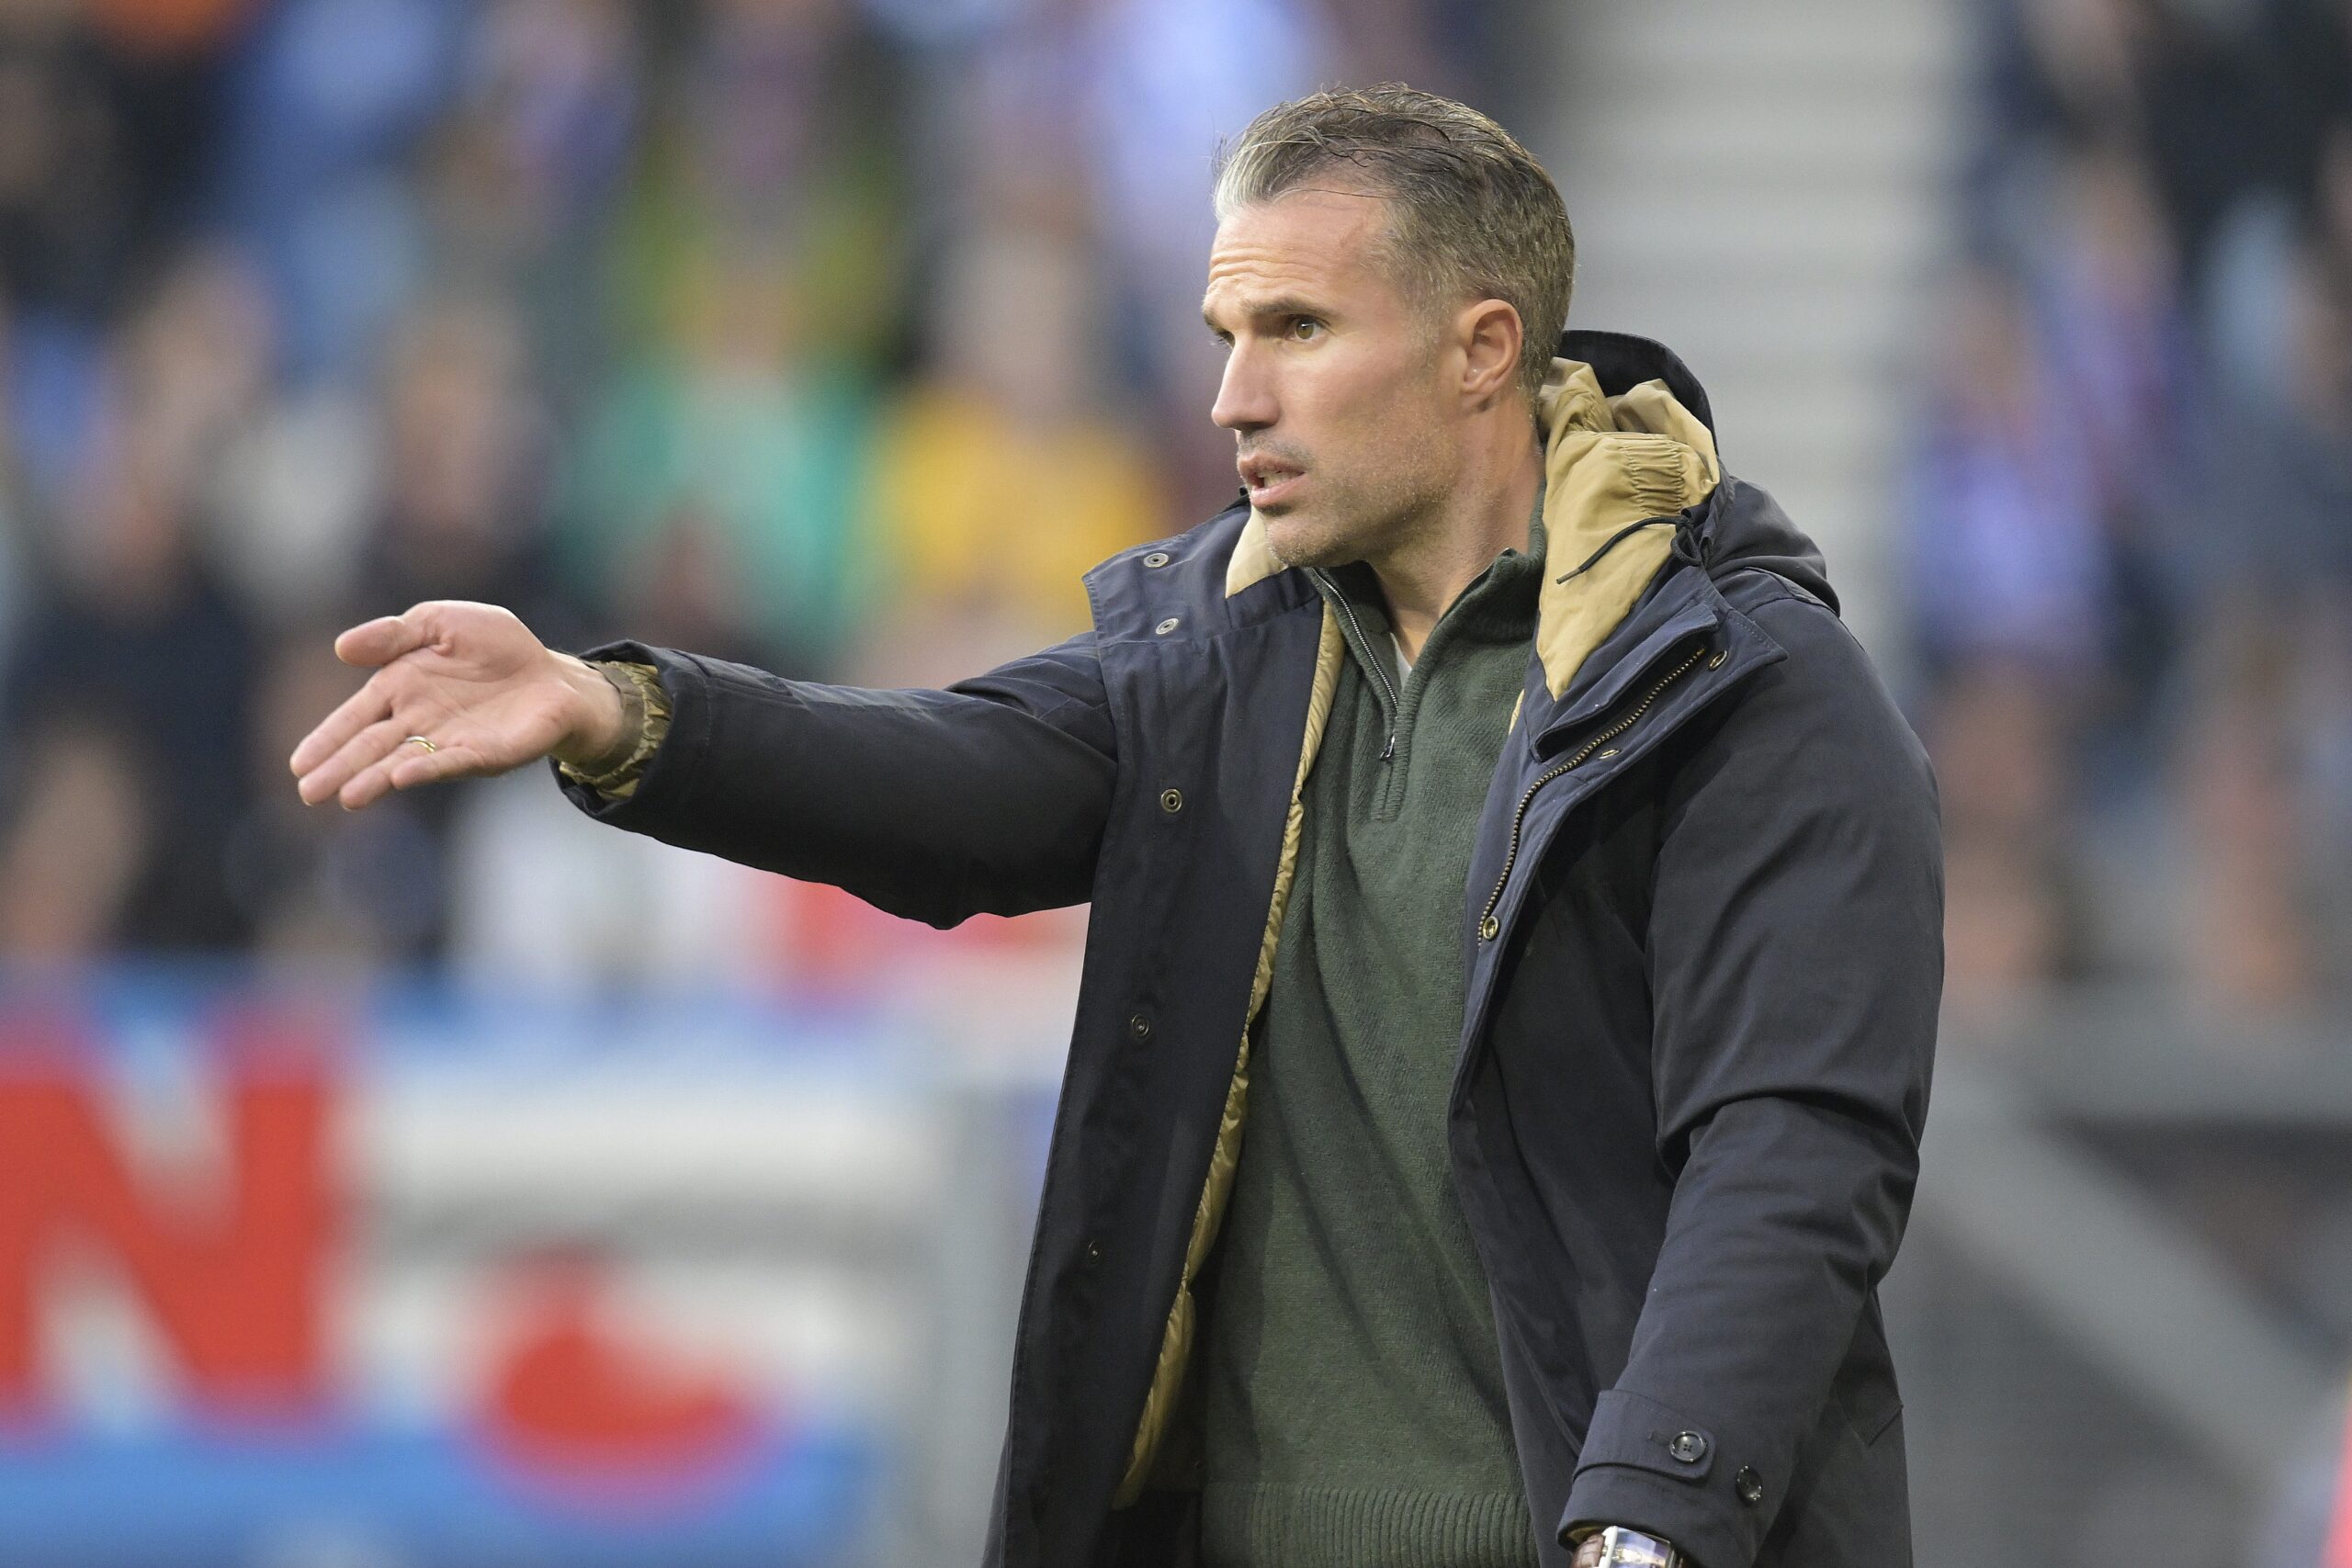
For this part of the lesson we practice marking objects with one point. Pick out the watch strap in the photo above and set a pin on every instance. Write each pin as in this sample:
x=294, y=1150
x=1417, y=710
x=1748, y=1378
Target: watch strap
x=1622, y=1547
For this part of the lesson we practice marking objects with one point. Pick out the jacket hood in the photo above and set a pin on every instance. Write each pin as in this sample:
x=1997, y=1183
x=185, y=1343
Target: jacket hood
x=1630, y=467
x=1748, y=527
x=1633, y=477
x=1750, y=530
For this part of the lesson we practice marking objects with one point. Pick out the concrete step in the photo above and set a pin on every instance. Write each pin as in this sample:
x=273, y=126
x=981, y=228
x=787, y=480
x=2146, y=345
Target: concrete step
x=1674, y=42
x=1844, y=139
x=1762, y=188
x=1728, y=237
x=1786, y=319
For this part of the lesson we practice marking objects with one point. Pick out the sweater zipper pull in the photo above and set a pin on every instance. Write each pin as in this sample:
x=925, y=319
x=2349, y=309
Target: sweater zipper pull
x=1389, y=747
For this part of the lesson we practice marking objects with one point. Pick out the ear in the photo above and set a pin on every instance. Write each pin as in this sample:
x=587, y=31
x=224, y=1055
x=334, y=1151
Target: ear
x=1489, y=334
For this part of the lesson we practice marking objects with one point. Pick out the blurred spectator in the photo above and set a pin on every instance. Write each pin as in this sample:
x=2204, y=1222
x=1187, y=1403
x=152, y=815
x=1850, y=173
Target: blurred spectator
x=79, y=844
x=522, y=175
x=543, y=130
x=2115, y=332
x=1003, y=476
x=466, y=449
x=2009, y=563
x=2264, y=753
x=297, y=486
x=73, y=189
x=714, y=497
x=132, y=632
x=319, y=884
x=2010, y=574
x=542, y=897
x=327, y=103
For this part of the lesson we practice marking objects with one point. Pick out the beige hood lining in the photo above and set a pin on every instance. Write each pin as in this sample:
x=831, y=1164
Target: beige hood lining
x=1608, y=463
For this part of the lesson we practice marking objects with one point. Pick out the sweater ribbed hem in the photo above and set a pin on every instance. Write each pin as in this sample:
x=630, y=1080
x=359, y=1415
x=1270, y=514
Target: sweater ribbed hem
x=1362, y=1527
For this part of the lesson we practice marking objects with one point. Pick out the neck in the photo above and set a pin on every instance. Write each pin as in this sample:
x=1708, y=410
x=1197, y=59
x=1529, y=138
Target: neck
x=1483, y=514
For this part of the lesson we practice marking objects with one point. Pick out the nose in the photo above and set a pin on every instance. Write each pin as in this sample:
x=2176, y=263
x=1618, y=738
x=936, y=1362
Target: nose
x=1245, y=398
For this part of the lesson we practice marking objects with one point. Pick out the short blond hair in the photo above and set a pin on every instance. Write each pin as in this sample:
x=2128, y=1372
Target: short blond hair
x=1475, y=216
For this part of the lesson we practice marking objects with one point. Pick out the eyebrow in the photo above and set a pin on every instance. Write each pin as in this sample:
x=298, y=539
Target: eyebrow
x=1280, y=305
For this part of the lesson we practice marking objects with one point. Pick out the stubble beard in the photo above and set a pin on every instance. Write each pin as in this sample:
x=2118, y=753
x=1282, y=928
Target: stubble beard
x=1367, y=523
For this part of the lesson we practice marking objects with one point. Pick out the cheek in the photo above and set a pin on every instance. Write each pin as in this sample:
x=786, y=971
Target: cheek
x=1373, y=415
x=1396, y=434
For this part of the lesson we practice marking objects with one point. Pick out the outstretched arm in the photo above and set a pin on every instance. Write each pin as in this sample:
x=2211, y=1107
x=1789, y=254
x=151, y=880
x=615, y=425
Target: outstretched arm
x=988, y=797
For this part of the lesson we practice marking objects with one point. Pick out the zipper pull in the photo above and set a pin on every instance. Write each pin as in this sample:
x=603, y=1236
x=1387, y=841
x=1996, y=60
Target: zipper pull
x=1388, y=749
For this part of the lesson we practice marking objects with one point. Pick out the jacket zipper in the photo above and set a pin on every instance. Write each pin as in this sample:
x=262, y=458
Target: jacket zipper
x=1364, y=643
x=1488, y=928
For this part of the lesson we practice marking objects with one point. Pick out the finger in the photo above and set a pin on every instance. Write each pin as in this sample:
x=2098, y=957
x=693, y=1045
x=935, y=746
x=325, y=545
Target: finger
x=409, y=766
x=474, y=743
x=362, y=751
x=404, y=764
x=385, y=638
x=372, y=781
x=369, y=705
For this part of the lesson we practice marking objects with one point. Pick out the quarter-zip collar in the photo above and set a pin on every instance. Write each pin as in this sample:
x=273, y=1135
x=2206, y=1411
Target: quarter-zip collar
x=1493, y=606
x=1620, y=471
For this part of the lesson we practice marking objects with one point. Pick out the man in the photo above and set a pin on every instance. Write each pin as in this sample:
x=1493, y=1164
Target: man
x=1506, y=1022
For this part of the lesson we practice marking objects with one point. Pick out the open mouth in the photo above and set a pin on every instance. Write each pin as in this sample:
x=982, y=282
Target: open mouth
x=1268, y=480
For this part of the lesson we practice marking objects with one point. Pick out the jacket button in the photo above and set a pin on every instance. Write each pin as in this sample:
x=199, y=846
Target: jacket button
x=1749, y=1485
x=1489, y=929
x=1157, y=558
x=1093, y=1253
x=1169, y=625
x=1687, y=1447
x=1139, y=1026
x=1172, y=801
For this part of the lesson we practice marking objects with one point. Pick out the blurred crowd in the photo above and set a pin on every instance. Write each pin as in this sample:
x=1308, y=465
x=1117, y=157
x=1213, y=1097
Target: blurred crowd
x=835, y=335
x=840, y=336
x=2128, y=511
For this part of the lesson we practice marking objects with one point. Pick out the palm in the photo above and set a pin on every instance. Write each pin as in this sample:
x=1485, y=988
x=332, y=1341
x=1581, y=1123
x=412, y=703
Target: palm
x=479, y=694
x=470, y=678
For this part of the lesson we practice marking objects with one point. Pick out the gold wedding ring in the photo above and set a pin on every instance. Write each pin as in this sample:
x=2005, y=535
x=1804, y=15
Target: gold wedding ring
x=420, y=740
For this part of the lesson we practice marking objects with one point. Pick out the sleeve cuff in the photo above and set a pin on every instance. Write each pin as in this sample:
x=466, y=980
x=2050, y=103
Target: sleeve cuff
x=645, y=719
x=1709, y=1492
x=663, y=770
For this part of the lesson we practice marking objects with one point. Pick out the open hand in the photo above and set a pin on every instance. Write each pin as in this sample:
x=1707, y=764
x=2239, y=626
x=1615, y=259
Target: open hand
x=470, y=679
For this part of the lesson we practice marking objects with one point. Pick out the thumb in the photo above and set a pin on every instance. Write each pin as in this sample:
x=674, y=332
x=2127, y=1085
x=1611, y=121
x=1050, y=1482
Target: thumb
x=378, y=642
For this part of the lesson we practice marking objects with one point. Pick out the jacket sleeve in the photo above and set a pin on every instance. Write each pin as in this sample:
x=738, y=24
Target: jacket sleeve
x=989, y=797
x=1797, y=961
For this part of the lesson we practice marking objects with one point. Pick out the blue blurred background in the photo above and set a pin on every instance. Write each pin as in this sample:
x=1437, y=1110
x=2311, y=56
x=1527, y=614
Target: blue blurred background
x=461, y=1183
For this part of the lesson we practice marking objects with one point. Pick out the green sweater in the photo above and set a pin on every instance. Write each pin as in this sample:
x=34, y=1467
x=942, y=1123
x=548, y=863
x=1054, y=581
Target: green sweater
x=1352, y=1398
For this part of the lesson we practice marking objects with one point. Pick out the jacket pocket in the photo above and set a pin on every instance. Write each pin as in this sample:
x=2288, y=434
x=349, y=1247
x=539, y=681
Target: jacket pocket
x=1865, y=1390
x=1870, y=1417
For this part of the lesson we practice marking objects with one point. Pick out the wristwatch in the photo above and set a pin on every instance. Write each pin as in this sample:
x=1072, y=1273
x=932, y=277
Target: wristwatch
x=1622, y=1548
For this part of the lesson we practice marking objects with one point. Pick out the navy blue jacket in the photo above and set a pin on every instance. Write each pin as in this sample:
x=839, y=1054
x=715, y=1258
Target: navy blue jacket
x=1704, y=937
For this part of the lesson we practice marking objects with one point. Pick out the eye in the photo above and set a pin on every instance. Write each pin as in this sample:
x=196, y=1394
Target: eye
x=1305, y=328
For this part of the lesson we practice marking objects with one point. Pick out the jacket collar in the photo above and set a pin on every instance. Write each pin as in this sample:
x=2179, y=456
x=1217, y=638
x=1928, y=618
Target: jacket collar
x=1627, y=444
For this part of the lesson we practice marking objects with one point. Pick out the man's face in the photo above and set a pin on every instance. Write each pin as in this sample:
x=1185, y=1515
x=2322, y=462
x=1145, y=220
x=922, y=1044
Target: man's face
x=1333, y=381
